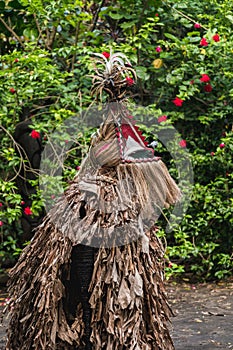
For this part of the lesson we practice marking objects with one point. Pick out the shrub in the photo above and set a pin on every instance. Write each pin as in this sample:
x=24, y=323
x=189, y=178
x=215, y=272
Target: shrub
x=182, y=55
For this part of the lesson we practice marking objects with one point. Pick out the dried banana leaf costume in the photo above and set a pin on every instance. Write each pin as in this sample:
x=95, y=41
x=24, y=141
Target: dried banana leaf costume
x=92, y=277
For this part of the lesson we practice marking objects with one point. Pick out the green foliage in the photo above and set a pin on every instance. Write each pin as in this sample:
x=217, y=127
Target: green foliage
x=45, y=70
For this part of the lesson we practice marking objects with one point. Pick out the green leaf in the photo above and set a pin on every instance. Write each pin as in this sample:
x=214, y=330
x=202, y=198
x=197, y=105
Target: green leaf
x=127, y=25
x=172, y=37
x=116, y=15
x=142, y=73
x=15, y=4
x=230, y=17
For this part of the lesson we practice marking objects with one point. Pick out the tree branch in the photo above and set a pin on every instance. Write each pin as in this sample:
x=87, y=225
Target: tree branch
x=51, y=38
x=12, y=32
x=39, y=30
x=97, y=15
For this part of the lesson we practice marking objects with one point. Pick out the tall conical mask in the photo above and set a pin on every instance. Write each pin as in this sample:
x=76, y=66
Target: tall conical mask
x=124, y=185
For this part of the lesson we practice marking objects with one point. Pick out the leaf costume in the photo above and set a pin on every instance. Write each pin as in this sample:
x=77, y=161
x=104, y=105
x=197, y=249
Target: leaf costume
x=92, y=276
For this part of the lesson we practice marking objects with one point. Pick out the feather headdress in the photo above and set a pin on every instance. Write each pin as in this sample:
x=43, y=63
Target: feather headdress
x=113, y=75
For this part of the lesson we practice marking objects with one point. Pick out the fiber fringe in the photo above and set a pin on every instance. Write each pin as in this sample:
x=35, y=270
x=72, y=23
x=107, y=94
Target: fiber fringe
x=113, y=208
x=127, y=297
x=36, y=291
x=128, y=300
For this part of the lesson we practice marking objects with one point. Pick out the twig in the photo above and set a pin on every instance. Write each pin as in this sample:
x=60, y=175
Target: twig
x=51, y=38
x=57, y=156
x=39, y=30
x=97, y=15
x=200, y=100
x=199, y=253
x=12, y=32
x=185, y=16
x=75, y=45
x=22, y=154
x=189, y=18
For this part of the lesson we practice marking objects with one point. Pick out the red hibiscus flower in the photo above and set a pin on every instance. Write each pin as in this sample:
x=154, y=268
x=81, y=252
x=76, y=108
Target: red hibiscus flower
x=161, y=119
x=197, y=25
x=1, y=223
x=158, y=49
x=204, y=42
x=183, y=143
x=12, y=91
x=178, y=102
x=35, y=134
x=106, y=54
x=28, y=211
x=205, y=78
x=222, y=145
x=129, y=81
x=212, y=154
x=208, y=88
x=216, y=38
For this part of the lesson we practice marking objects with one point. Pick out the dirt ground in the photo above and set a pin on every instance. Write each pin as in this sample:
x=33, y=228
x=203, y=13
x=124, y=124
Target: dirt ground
x=203, y=316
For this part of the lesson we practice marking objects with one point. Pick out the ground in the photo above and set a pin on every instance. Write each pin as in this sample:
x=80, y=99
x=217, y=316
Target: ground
x=203, y=316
